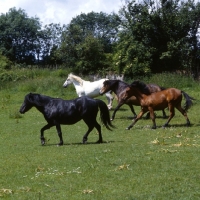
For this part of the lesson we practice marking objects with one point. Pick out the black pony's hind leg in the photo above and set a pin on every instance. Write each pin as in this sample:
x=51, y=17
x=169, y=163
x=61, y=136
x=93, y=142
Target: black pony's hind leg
x=48, y=126
x=58, y=127
x=85, y=137
x=91, y=124
x=98, y=127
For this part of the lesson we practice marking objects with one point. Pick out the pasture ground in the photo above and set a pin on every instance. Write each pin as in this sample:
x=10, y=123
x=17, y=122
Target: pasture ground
x=137, y=164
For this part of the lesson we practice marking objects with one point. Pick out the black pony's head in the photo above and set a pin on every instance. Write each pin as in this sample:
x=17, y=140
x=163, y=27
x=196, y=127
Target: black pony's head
x=28, y=103
x=141, y=86
x=31, y=100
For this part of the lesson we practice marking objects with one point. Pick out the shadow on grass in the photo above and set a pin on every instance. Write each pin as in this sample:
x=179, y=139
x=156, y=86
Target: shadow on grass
x=144, y=117
x=80, y=143
x=179, y=125
x=174, y=126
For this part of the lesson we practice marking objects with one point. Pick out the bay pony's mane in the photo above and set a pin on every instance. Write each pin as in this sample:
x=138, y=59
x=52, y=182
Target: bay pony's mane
x=76, y=78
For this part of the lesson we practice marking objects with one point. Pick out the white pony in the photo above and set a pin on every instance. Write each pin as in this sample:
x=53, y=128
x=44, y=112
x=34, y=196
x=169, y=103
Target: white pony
x=87, y=88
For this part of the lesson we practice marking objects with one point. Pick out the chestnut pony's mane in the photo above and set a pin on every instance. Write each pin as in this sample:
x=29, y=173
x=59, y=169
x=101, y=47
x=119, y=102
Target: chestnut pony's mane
x=141, y=86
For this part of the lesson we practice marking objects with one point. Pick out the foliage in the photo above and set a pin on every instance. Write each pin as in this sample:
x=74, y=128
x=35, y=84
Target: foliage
x=172, y=80
x=145, y=37
x=23, y=40
x=50, y=37
x=18, y=36
x=91, y=56
x=158, y=36
x=16, y=76
x=87, y=40
x=136, y=164
x=5, y=63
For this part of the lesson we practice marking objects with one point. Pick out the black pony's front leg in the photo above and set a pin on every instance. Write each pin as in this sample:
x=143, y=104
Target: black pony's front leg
x=58, y=127
x=48, y=126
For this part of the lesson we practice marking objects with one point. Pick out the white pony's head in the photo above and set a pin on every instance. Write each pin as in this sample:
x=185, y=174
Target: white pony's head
x=71, y=79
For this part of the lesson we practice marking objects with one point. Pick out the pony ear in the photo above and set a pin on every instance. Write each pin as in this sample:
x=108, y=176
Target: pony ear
x=30, y=96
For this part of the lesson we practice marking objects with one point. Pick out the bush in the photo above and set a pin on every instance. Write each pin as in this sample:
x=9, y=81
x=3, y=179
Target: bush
x=5, y=63
x=6, y=76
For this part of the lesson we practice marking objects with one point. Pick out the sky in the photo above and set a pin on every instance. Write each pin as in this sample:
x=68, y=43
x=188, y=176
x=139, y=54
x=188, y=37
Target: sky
x=60, y=11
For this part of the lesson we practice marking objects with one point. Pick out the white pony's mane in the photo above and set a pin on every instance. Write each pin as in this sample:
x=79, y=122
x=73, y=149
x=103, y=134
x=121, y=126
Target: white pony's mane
x=76, y=78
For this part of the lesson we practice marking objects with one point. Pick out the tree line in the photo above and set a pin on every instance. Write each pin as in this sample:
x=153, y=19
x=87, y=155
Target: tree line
x=142, y=38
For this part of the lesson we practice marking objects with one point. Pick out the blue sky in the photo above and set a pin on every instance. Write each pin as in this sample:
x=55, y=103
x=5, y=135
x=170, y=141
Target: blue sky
x=60, y=11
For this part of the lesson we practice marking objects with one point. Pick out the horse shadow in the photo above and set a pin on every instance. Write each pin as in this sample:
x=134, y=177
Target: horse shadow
x=178, y=125
x=80, y=143
x=144, y=117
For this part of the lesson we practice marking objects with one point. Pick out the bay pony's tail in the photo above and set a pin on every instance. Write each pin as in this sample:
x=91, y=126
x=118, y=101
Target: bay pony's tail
x=188, y=101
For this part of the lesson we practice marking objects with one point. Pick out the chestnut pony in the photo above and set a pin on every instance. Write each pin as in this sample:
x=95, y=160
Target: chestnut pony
x=119, y=88
x=170, y=98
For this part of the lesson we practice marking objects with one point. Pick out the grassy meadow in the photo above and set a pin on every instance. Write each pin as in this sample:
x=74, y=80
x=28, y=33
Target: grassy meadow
x=135, y=165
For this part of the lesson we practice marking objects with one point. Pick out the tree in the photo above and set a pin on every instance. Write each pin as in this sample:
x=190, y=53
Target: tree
x=133, y=53
x=18, y=36
x=157, y=36
x=91, y=55
x=50, y=41
x=87, y=40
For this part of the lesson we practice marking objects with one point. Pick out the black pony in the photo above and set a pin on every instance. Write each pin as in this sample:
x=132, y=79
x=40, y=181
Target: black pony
x=58, y=111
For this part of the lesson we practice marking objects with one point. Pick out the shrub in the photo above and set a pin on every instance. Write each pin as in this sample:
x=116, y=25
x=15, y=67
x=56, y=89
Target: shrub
x=5, y=63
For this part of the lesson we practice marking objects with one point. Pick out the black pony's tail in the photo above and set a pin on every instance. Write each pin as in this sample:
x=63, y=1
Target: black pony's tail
x=105, y=114
x=188, y=102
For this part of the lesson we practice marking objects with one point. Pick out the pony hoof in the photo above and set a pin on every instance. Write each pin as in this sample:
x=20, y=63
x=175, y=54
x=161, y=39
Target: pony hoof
x=84, y=141
x=188, y=124
x=60, y=144
x=128, y=128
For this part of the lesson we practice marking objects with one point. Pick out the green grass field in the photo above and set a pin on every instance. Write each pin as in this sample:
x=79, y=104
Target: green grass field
x=137, y=164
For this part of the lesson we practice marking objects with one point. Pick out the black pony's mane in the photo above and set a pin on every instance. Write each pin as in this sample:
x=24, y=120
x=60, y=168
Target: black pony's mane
x=141, y=86
x=38, y=98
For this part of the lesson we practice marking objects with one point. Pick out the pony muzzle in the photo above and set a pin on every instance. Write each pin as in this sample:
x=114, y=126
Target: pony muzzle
x=21, y=111
x=101, y=93
x=64, y=85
